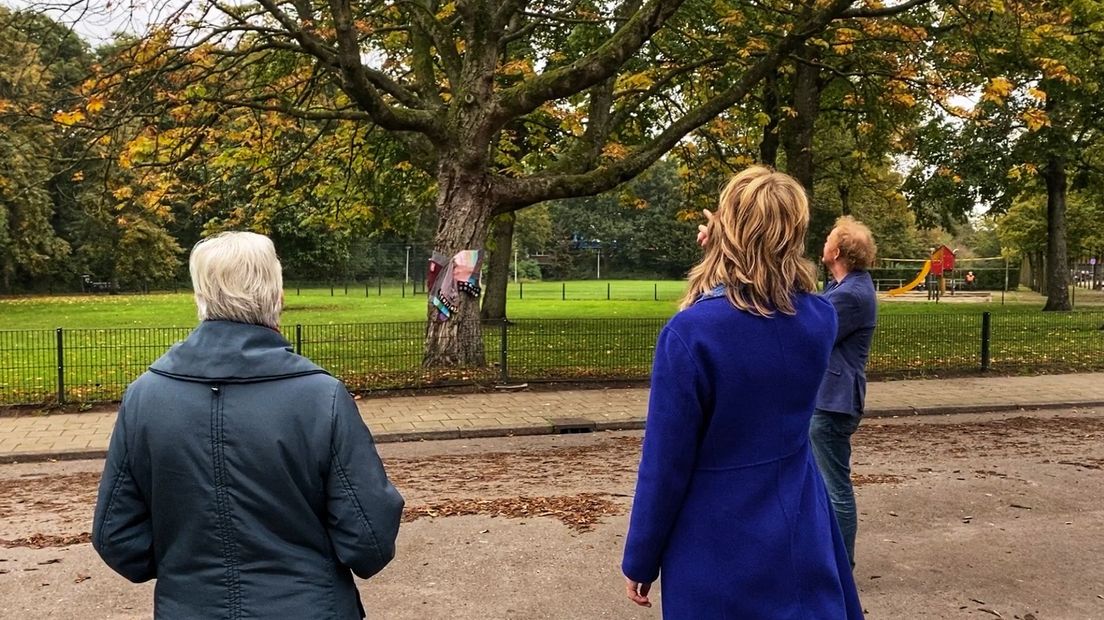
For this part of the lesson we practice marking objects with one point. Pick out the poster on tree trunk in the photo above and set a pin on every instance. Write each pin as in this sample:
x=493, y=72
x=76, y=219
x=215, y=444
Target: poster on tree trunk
x=448, y=280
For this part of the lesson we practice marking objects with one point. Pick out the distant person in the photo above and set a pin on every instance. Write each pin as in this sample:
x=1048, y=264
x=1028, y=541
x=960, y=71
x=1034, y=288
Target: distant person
x=848, y=253
x=729, y=506
x=240, y=475
x=970, y=279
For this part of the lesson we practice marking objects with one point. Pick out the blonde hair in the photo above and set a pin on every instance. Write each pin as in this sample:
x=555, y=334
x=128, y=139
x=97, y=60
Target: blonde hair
x=237, y=277
x=855, y=242
x=756, y=246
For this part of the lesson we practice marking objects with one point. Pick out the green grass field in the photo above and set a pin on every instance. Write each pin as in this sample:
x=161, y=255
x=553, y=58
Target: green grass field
x=375, y=341
x=536, y=300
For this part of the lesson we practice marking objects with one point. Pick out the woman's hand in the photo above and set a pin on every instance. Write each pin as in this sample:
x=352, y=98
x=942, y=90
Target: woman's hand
x=638, y=592
x=703, y=235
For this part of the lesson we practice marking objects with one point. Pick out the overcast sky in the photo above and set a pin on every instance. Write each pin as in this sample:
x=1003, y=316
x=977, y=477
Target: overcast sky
x=97, y=21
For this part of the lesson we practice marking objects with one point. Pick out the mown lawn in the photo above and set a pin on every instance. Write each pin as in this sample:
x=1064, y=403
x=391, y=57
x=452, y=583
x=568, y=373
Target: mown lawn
x=375, y=341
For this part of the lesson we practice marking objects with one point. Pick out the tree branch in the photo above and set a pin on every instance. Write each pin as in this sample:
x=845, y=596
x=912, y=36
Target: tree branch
x=358, y=82
x=594, y=68
x=887, y=11
x=512, y=194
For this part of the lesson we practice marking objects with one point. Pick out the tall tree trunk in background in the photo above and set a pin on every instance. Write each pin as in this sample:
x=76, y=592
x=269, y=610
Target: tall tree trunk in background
x=845, y=198
x=498, y=268
x=1057, y=260
x=768, y=146
x=798, y=139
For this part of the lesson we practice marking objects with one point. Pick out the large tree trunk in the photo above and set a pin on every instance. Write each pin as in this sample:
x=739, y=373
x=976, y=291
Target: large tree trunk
x=498, y=268
x=798, y=141
x=768, y=146
x=1057, y=263
x=464, y=211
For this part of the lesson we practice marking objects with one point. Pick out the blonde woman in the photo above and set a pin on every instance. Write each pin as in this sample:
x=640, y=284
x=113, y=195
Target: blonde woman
x=729, y=505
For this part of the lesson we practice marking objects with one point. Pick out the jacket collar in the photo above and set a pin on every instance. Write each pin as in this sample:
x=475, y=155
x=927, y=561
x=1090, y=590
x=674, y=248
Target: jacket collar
x=228, y=352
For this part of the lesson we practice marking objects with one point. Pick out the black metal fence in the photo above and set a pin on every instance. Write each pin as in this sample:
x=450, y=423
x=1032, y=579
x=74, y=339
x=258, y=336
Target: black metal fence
x=95, y=365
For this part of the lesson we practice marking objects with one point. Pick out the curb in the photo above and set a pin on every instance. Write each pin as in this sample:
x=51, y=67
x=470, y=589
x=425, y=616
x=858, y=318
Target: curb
x=632, y=424
x=955, y=409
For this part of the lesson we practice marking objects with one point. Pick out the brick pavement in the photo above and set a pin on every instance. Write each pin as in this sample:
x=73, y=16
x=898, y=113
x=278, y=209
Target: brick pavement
x=406, y=418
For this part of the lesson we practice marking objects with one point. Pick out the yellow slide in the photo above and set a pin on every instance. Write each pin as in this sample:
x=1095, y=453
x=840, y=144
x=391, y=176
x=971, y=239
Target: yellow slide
x=901, y=290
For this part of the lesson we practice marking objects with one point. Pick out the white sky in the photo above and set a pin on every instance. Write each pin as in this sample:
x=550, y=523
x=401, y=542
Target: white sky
x=97, y=21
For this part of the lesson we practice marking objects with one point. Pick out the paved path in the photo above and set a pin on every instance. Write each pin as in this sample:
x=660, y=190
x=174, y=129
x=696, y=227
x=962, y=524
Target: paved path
x=406, y=418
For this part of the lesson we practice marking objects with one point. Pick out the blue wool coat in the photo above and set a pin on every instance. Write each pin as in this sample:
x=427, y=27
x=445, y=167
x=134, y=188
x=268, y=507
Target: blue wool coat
x=241, y=476
x=729, y=504
x=844, y=387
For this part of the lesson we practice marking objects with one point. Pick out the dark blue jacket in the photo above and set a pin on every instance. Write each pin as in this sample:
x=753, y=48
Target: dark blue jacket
x=844, y=387
x=730, y=508
x=241, y=477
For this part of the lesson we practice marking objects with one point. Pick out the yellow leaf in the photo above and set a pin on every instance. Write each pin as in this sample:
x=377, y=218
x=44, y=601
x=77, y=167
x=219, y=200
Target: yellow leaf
x=636, y=81
x=69, y=118
x=1037, y=95
x=95, y=104
x=123, y=193
x=78, y=176
x=1035, y=119
x=521, y=66
x=997, y=90
x=615, y=150
x=447, y=11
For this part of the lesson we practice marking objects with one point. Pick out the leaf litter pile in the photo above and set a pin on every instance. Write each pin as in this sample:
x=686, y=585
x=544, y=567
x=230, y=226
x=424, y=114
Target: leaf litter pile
x=579, y=485
x=579, y=512
x=44, y=541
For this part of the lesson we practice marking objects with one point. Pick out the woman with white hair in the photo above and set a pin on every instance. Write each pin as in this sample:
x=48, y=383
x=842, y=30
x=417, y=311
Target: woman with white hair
x=729, y=507
x=240, y=475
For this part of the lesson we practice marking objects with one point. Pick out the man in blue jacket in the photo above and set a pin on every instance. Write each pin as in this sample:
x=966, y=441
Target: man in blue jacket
x=240, y=475
x=848, y=253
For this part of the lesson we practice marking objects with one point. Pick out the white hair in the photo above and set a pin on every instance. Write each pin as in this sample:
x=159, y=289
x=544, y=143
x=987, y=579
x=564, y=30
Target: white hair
x=237, y=277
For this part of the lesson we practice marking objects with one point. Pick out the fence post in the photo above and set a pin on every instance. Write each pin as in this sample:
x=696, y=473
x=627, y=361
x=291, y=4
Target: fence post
x=563, y=291
x=298, y=339
x=404, y=289
x=986, y=333
x=331, y=289
x=607, y=291
x=61, y=365
x=502, y=350
x=655, y=291
x=521, y=289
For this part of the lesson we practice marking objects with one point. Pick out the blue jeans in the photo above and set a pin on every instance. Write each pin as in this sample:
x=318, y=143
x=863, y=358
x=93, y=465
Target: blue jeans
x=830, y=436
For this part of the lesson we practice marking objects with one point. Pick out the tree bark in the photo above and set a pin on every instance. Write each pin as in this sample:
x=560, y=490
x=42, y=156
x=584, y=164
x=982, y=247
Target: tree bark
x=798, y=140
x=768, y=146
x=464, y=211
x=1057, y=267
x=498, y=268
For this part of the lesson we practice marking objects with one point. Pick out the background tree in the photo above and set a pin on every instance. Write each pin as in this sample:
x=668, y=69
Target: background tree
x=1037, y=68
x=605, y=94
